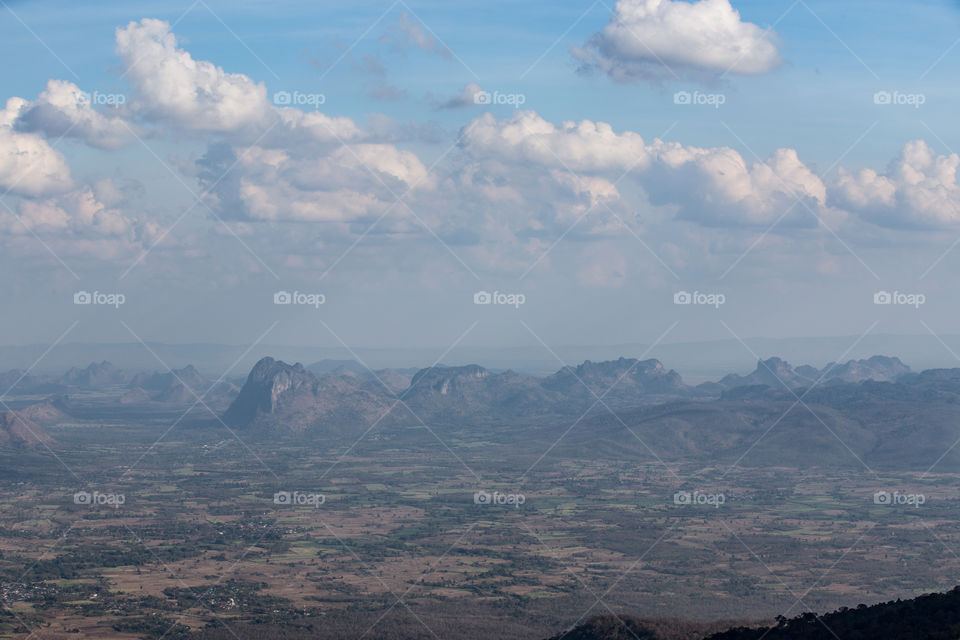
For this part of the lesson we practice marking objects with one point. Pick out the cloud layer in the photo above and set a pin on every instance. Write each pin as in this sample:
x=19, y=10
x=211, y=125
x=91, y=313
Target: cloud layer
x=512, y=186
x=657, y=39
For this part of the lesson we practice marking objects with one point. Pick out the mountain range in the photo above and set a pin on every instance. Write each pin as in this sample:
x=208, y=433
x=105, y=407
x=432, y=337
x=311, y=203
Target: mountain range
x=281, y=398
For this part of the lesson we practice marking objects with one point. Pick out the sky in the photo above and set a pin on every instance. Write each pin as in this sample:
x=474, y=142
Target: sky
x=636, y=172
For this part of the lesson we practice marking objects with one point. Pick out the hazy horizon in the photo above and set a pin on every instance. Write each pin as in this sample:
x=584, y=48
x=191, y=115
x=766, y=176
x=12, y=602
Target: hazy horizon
x=197, y=161
x=374, y=188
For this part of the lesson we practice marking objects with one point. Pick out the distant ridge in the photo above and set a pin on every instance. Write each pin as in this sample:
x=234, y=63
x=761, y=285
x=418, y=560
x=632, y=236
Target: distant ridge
x=280, y=397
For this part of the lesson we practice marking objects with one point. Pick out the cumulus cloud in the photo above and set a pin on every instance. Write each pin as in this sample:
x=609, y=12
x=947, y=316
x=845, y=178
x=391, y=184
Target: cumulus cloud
x=28, y=165
x=346, y=184
x=193, y=94
x=918, y=189
x=197, y=96
x=64, y=110
x=87, y=221
x=656, y=39
x=712, y=186
x=717, y=187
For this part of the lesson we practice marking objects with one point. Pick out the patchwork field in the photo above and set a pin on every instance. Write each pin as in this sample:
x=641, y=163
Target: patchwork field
x=127, y=530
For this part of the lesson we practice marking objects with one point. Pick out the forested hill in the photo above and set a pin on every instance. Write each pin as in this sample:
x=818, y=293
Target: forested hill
x=934, y=616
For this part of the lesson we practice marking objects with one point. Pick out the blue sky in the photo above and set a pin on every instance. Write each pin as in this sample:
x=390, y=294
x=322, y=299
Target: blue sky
x=552, y=215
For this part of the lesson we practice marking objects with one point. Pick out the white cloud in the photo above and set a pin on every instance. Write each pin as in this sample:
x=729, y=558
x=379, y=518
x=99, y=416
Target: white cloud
x=193, y=94
x=717, y=187
x=198, y=96
x=712, y=186
x=918, y=189
x=28, y=165
x=64, y=110
x=279, y=185
x=579, y=146
x=80, y=222
x=655, y=39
